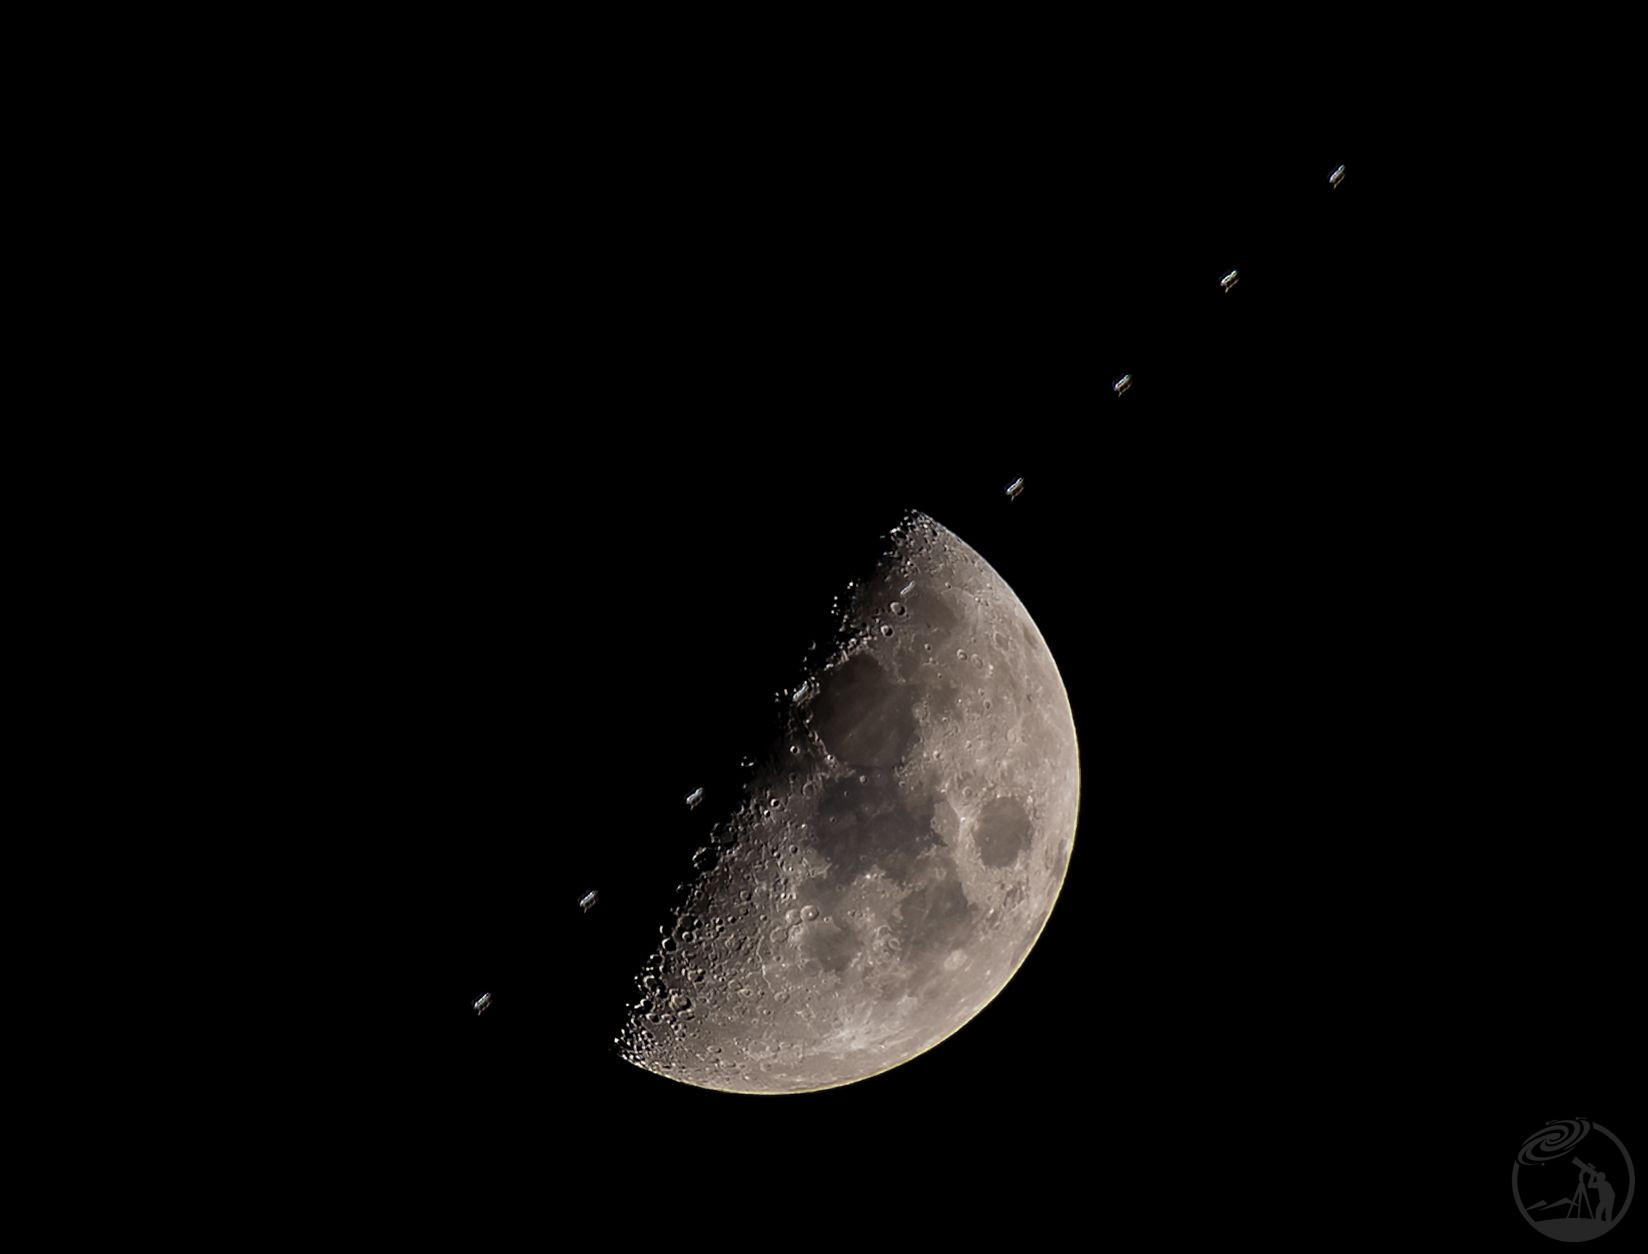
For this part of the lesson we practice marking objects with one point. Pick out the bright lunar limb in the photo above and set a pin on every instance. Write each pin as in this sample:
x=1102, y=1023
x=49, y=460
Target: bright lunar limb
x=898, y=854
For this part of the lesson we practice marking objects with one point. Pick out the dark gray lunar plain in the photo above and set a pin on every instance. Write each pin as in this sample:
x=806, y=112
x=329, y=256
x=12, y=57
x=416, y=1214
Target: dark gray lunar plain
x=895, y=858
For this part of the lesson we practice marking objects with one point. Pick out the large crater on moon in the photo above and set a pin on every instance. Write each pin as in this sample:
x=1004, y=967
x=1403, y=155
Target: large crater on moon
x=896, y=857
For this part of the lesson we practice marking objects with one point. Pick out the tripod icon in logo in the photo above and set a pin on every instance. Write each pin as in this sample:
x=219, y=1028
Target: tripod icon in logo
x=1581, y=1204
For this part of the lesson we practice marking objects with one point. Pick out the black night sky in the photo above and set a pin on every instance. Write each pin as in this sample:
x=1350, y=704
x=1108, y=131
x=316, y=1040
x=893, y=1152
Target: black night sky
x=1340, y=678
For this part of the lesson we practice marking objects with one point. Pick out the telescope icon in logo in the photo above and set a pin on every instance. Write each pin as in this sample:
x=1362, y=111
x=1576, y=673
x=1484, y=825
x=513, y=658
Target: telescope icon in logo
x=1581, y=1200
x=1589, y=1210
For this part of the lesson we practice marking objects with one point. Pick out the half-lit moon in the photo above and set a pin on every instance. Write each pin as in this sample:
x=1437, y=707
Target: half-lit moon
x=898, y=854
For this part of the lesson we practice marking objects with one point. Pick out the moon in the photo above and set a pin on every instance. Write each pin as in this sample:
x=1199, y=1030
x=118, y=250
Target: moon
x=897, y=854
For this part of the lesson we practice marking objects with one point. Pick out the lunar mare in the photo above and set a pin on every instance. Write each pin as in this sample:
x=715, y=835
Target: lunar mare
x=899, y=852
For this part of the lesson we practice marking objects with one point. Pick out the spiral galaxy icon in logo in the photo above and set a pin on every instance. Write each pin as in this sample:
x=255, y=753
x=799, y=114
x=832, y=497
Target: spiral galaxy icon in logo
x=1572, y=1180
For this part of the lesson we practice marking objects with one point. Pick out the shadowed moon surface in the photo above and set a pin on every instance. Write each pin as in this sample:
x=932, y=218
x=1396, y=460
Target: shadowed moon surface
x=898, y=854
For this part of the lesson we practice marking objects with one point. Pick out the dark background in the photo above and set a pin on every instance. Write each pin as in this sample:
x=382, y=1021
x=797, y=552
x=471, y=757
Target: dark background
x=1338, y=606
